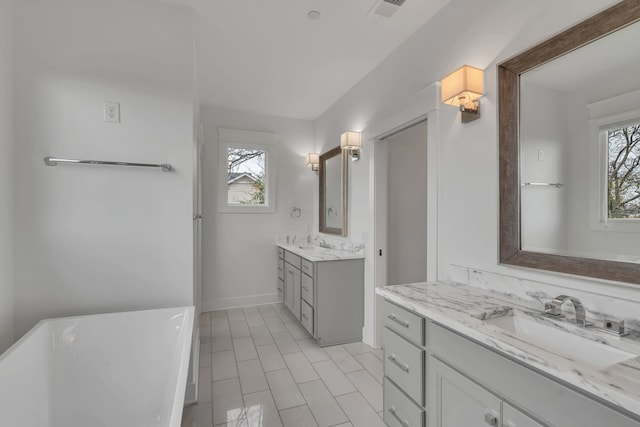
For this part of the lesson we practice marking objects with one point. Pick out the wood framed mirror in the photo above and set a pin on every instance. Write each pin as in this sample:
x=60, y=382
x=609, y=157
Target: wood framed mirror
x=334, y=186
x=518, y=122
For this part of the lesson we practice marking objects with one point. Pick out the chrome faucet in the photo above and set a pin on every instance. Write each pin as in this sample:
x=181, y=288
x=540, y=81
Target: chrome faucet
x=554, y=308
x=322, y=243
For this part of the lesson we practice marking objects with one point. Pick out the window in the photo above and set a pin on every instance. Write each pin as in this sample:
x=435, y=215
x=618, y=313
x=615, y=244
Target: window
x=623, y=170
x=246, y=176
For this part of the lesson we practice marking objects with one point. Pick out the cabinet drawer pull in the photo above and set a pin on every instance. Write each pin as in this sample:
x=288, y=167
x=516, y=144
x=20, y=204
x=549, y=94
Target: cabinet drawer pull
x=397, y=416
x=491, y=419
x=304, y=316
x=398, y=321
x=305, y=288
x=398, y=363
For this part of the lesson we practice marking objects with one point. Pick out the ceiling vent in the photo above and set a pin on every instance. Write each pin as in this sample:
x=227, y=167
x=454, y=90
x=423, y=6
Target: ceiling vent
x=386, y=8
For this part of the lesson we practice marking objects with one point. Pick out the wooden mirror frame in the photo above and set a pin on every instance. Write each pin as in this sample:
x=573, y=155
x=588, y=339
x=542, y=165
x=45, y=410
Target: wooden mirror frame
x=618, y=16
x=344, y=191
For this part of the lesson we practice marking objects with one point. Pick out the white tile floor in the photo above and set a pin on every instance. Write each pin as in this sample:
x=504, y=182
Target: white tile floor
x=260, y=368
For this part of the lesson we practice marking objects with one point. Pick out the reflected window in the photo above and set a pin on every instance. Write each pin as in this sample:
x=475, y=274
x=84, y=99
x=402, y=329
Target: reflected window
x=623, y=170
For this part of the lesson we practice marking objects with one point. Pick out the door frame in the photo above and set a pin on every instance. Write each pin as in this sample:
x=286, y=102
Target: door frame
x=191, y=392
x=424, y=105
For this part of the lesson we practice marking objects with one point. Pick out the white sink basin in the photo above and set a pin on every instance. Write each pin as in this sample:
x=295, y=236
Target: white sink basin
x=571, y=346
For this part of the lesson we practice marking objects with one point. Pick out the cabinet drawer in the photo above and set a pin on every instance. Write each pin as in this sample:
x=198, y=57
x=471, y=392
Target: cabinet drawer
x=404, y=364
x=292, y=259
x=281, y=269
x=399, y=410
x=306, y=317
x=307, y=289
x=407, y=324
x=307, y=267
x=280, y=253
x=280, y=289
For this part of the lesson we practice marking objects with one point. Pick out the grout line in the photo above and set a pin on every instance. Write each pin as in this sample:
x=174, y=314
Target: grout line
x=265, y=374
x=244, y=415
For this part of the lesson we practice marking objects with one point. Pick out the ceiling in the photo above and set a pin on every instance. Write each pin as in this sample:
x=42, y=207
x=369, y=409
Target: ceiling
x=267, y=56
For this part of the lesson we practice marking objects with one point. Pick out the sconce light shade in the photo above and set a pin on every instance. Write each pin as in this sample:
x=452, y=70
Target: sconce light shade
x=313, y=160
x=351, y=141
x=462, y=89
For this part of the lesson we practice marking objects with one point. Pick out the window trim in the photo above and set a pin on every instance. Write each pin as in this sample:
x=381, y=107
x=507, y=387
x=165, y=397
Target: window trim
x=251, y=140
x=599, y=173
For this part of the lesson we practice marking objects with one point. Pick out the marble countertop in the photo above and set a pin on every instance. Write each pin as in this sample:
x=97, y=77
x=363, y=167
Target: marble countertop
x=463, y=308
x=318, y=254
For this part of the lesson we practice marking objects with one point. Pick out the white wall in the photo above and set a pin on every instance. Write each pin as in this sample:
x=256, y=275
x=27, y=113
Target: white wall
x=239, y=252
x=6, y=175
x=94, y=238
x=464, y=32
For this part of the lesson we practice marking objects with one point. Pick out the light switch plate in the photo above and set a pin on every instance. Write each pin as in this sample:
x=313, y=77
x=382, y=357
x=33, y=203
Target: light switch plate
x=112, y=112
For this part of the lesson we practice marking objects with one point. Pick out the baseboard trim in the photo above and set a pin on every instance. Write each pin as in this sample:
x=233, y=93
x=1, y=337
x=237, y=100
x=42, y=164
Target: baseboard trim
x=236, y=302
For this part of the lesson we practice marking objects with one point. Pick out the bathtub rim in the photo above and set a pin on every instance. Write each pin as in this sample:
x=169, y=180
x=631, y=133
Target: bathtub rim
x=185, y=354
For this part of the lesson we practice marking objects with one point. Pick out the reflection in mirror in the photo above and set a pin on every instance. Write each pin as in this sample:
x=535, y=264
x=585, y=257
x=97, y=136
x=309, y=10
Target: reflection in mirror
x=333, y=192
x=580, y=131
x=332, y=195
x=569, y=130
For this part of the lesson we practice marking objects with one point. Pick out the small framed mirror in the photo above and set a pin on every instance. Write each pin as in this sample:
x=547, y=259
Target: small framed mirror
x=333, y=192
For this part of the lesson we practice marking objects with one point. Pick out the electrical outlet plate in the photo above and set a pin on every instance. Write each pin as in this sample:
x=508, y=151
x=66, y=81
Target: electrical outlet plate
x=112, y=112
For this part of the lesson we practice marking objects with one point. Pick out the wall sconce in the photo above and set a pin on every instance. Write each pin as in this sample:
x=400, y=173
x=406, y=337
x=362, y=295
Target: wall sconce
x=313, y=160
x=463, y=88
x=351, y=141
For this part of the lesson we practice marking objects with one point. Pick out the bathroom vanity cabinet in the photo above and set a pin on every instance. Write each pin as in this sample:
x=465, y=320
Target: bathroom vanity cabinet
x=326, y=296
x=436, y=376
x=280, y=274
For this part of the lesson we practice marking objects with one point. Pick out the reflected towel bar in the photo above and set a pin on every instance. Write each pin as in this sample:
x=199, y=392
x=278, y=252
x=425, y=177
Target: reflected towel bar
x=547, y=184
x=53, y=161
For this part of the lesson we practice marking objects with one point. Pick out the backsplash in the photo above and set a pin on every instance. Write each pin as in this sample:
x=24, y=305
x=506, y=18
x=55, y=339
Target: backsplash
x=293, y=239
x=622, y=305
x=322, y=241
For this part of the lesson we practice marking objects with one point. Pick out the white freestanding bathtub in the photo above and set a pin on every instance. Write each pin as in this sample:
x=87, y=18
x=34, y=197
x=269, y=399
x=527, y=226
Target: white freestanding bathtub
x=120, y=369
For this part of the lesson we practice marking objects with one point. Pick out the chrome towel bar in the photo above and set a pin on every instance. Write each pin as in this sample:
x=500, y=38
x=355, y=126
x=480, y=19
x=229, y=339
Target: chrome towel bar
x=548, y=184
x=53, y=161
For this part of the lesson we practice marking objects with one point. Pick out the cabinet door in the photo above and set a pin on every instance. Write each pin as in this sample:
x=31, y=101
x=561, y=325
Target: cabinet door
x=289, y=278
x=513, y=418
x=292, y=290
x=459, y=401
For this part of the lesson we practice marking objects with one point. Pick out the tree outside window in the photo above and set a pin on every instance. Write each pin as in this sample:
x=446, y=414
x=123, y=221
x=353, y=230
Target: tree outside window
x=624, y=172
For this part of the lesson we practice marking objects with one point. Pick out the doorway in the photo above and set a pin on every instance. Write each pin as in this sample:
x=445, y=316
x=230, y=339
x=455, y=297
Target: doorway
x=407, y=205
